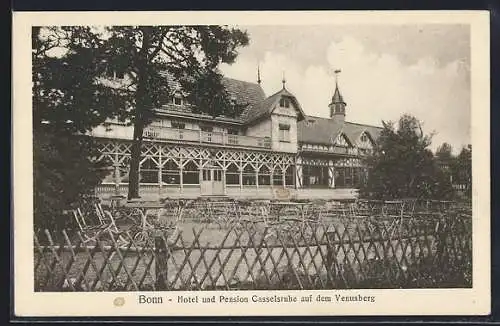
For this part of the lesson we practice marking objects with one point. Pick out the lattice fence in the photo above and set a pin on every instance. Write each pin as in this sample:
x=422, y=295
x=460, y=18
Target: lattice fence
x=363, y=253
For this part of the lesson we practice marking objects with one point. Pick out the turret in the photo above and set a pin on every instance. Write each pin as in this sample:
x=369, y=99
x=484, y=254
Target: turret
x=337, y=105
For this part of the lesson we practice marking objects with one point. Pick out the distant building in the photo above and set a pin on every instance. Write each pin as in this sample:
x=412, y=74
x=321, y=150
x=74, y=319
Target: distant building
x=271, y=150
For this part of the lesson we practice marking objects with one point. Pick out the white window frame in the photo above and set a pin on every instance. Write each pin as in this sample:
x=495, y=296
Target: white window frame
x=177, y=96
x=284, y=133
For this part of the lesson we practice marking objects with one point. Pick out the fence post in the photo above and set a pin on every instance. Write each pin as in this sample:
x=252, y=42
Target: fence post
x=161, y=258
x=441, y=237
x=330, y=255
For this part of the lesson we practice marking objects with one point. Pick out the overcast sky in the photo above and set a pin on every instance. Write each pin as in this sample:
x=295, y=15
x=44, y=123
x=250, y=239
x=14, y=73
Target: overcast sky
x=423, y=70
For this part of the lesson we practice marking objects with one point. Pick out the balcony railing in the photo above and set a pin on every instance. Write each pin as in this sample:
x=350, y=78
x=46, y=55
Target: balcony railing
x=331, y=149
x=189, y=135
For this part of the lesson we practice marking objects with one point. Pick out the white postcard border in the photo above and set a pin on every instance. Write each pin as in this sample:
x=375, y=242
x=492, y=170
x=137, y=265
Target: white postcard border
x=475, y=301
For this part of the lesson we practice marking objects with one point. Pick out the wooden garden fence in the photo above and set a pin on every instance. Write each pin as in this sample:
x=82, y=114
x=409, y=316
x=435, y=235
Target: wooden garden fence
x=360, y=253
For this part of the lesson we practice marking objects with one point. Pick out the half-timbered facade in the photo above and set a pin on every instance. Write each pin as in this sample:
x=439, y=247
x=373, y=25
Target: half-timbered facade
x=271, y=150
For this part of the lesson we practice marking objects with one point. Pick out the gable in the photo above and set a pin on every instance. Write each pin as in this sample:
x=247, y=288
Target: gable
x=286, y=106
x=365, y=140
x=342, y=140
x=270, y=104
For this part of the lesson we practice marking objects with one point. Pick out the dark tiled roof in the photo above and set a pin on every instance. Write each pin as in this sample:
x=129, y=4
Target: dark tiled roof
x=316, y=130
x=249, y=95
x=252, y=97
x=354, y=130
x=337, y=97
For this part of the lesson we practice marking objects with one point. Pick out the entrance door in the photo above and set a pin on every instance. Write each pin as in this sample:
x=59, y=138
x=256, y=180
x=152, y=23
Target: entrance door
x=217, y=186
x=211, y=182
x=206, y=182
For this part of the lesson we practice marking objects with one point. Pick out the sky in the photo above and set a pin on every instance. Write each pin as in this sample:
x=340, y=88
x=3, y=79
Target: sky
x=386, y=70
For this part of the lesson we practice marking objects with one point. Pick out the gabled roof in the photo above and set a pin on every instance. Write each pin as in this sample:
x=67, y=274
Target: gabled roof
x=267, y=106
x=325, y=130
x=257, y=105
x=316, y=130
x=354, y=131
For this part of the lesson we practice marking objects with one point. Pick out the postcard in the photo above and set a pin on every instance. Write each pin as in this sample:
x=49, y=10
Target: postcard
x=245, y=163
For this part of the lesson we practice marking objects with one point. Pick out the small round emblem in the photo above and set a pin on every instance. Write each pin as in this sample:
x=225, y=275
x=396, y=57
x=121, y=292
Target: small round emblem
x=119, y=301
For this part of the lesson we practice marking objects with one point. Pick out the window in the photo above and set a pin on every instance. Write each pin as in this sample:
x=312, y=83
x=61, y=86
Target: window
x=207, y=133
x=232, y=136
x=232, y=175
x=364, y=138
x=207, y=176
x=285, y=102
x=148, y=171
x=290, y=176
x=177, y=99
x=278, y=178
x=315, y=176
x=264, y=176
x=171, y=173
x=217, y=175
x=190, y=174
x=178, y=125
x=350, y=177
x=249, y=176
x=284, y=133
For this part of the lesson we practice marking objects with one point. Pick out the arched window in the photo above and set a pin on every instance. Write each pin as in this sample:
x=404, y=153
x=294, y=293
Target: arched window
x=264, y=176
x=171, y=173
x=249, y=176
x=190, y=174
x=364, y=138
x=177, y=99
x=232, y=175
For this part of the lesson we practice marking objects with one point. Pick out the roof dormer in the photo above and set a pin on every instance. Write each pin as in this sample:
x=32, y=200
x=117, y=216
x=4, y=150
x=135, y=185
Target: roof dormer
x=177, y=99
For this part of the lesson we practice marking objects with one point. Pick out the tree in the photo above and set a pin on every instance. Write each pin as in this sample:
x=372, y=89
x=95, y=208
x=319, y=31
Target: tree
x=444, y=153
x=403, y=166
x=462, y=169
x=445, y=159
x=72, y=95
x=67, y=102
x=191, y=54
